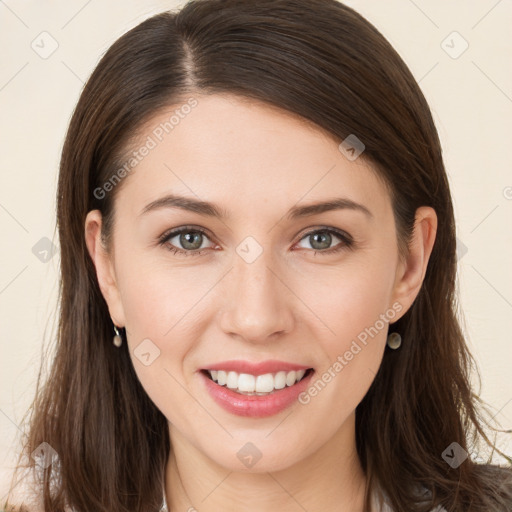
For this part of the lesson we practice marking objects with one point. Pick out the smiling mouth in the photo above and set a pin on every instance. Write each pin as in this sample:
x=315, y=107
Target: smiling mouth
x=261, y=385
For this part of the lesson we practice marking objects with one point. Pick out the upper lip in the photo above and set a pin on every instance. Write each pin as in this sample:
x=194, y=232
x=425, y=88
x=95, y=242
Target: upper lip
x=261, y=368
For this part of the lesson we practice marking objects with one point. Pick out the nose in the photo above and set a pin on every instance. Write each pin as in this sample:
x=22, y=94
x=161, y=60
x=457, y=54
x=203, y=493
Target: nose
x=258, y=303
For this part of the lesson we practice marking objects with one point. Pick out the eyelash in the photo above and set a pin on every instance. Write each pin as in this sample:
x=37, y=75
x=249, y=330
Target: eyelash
x=347, y=242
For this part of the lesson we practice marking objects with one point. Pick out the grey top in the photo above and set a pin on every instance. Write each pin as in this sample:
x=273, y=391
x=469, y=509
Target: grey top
x=385, y=506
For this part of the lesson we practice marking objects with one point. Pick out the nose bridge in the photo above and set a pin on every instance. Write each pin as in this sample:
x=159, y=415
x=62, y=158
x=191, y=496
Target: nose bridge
x=256, y=306
x=254, y=277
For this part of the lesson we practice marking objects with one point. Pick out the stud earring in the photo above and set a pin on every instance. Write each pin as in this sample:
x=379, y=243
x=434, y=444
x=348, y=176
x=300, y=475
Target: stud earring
x=394, y=340
x=117, y=340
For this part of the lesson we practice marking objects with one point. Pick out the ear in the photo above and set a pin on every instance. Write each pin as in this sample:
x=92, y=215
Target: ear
x=103, y=262
x=411, y=272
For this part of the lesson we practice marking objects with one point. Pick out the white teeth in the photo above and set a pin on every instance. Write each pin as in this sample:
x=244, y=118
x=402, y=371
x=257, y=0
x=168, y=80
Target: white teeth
x=232, y=381
x=261, y=384
x=221, y=377
x=280, y=379
x=290, y=379
x=264, y=383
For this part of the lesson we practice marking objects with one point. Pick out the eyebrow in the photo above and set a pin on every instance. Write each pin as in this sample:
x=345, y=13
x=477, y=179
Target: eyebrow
x=212, y=210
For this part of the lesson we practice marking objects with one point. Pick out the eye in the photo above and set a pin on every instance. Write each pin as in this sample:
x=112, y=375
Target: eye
x=320, y=240
x=187, y=241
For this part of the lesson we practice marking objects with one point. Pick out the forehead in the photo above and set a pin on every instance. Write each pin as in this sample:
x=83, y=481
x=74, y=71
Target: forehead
x=234, y=150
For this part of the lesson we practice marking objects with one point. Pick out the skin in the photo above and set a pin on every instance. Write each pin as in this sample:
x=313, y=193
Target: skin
x=256, y=162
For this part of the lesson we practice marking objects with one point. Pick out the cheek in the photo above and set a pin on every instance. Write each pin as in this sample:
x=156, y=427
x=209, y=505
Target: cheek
x=349, y=298
x=352, y=311
x=357, y=315
x=147, y=299
x=156, y=295
x=158, y=305
x=155, y=301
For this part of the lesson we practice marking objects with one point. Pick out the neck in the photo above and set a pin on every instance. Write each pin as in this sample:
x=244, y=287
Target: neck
x=330, y=479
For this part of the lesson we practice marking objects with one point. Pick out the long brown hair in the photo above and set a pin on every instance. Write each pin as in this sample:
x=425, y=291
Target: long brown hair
x=323, y=61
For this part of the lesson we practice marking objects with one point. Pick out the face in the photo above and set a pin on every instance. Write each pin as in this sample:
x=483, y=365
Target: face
x=264, y=280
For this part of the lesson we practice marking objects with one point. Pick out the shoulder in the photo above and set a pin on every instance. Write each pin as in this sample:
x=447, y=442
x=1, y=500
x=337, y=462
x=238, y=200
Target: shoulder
x=495, y=479
x=24, y=496
x=16, y=508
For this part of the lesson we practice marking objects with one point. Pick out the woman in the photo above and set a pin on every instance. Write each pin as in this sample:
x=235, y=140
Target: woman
x=258, y=268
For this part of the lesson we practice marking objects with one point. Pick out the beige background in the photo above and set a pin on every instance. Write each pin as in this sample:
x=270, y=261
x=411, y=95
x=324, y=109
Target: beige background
x=470, y=96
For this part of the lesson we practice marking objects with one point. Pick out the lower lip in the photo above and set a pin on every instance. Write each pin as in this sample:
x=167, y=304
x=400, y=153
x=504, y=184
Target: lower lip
x=255, y=406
